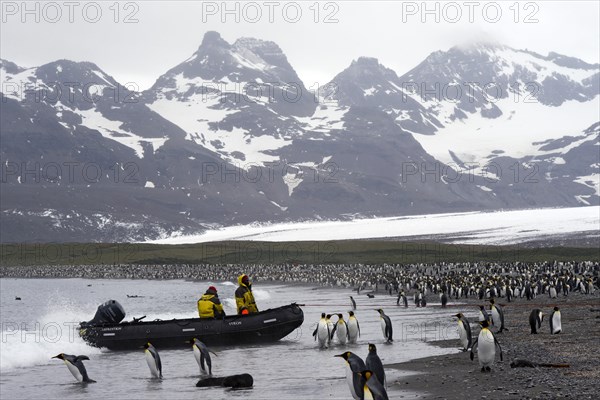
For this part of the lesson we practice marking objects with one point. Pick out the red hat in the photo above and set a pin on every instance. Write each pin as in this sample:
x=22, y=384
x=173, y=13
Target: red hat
x=245, y=279
x=212, y=288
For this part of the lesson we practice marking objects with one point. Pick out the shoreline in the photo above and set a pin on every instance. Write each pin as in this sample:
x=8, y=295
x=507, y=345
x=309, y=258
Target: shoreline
x=455, y=376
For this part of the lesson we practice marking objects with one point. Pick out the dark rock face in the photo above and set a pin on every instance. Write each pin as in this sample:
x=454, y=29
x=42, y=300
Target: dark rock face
x=232, y=135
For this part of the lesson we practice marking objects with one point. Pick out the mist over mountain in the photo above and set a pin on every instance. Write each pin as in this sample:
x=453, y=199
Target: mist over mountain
x=231, y=135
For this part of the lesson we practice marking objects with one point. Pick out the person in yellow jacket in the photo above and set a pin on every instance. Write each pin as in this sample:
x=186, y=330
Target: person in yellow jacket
x=209, y=305
x=244, y=297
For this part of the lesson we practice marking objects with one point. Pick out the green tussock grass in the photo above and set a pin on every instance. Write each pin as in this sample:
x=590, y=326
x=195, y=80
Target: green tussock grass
x=245, y=252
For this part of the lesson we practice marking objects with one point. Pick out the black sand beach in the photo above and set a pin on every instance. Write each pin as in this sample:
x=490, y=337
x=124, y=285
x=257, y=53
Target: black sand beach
x=455, y=376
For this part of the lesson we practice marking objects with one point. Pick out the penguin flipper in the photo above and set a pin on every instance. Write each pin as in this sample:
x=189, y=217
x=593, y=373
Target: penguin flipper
x=333, y=331
x=315, y=332
x=202, y=362
x=499, y=348
x=358, y=326
x=473, y=347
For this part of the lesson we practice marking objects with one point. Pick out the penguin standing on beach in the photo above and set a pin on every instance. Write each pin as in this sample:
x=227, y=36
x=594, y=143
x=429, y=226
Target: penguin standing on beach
x=353, y=328
x=153, y=360
x=353, y=303
x=321, y=332
x=444, y=299
x=354, y=367
x=341, y=329
x=386, y=325
x=373, y=363
x=464, y=332
x=486, y=344
x=329, y=328
x=497, y=316
x=402, y=299
x=555, y=322
x=483, y=314
x=535, y=320
x=76, y=367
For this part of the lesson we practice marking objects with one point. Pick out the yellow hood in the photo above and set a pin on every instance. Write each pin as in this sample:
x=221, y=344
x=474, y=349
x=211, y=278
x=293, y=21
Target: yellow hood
x=240, y=280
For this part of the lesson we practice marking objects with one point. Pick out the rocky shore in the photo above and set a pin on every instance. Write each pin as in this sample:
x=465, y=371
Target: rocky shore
x=455, y=376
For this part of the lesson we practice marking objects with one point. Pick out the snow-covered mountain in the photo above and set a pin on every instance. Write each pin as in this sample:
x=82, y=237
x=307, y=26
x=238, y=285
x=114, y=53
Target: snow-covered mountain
x=231, y=136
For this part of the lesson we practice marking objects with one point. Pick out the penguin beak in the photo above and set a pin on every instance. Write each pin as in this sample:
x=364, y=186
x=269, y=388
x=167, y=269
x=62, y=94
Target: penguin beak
x=58, y=356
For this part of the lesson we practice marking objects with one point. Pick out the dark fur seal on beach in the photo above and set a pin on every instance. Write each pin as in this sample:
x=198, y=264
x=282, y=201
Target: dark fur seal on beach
x=233, y=381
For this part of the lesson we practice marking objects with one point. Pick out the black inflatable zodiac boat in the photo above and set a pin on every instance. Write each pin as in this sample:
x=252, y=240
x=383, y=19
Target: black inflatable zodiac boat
x=107, y=330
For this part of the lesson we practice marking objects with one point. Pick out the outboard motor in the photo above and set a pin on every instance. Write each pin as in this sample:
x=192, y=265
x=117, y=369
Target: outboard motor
x=110, y=312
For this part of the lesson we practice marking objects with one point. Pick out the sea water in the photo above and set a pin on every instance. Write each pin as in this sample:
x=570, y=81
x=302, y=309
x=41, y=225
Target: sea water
x=44, y=323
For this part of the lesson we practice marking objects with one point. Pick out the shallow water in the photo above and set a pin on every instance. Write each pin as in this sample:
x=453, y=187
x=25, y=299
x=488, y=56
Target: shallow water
x=43, y=323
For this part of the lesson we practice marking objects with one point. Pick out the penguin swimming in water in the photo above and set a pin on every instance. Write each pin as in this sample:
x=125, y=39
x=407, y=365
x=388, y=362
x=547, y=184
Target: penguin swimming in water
x=373, y=363
x=321, y=332
x=202, y=355
x=354, y=366
x=353, y=328
x=386, y=325
x=497, y=316
x=535, y=320
x=464, y=332
x=353, y=303
x=76, y=367
x=372, y=387
x=341, y=328
x=486, y=344
x=555, y=322
x=153, y=360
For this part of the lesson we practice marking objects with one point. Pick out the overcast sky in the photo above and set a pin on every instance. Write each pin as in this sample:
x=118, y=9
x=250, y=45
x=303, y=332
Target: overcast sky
x=394, y=32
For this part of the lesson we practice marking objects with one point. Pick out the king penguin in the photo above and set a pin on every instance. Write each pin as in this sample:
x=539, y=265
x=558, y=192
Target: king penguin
x=444, y=299
x=321, y=332
x=386, y=325
x=353, y=328
x=329, y=328
x=353, y=303
x=341, y=328
x=75, y=365
x=483, y=314
x=402, y=298
x=373, y=363
x=202, y=355
x=372, y=387
x=555, y=322
x=486, y=344
x=153, y=360
x=535, y=320
x=464, y=332
x=354, y=366
x=497, y=316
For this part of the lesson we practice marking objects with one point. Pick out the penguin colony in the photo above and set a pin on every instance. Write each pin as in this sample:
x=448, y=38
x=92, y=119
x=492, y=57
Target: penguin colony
x=457, y=280
x=510, y=282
